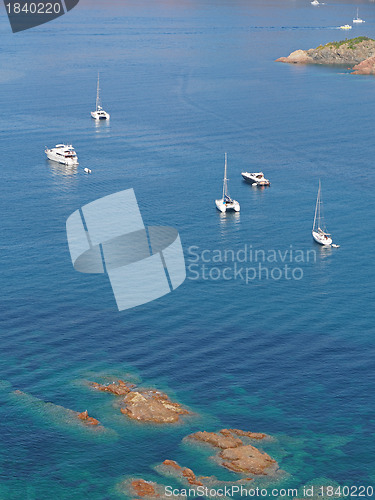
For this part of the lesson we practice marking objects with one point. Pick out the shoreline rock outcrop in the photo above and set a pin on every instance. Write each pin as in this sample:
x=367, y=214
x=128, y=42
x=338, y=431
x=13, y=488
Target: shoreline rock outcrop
x=144, y=405
x=237, y=455
x=366, y=67
x=350, y=52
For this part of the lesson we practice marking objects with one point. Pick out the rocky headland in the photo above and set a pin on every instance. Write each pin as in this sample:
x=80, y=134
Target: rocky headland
x=144, y=405
x=236, y=454
x=358, y=52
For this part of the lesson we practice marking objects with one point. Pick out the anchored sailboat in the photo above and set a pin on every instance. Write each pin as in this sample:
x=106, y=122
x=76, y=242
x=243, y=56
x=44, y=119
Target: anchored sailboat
x=99, y=113
x=226, y=202
x=319, y=231
x=358, y=19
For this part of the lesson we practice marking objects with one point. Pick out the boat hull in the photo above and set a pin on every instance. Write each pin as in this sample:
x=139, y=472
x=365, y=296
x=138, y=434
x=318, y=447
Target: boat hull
x=225, y=207
x=100, y=116
x=325, y=241
x=253, y=181
x=58, y=159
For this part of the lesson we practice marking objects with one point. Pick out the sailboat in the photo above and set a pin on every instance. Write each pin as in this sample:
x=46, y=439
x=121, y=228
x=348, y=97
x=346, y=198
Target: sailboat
x=99, y=113
x=226, y=202
x=358, y=19
x=319, y=231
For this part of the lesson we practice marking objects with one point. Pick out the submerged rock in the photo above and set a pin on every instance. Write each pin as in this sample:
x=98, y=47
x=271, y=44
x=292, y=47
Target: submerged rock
x=144, y=488
x=182, y=472
x=58, y=414
x=247, y=459
x=144, y=405
x=348, y=52
x=119, y=388
x=148, y=405
x=236, y=455
x=88, y=420
x=222, y=439
x=140, y=488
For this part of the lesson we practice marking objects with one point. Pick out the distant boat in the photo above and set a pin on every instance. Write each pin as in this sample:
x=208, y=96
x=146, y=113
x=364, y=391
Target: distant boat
x=62, y=153
x=358, y=19
x=319, y=231
x=345, y=27
x=87, y=170
x=99, y=113
x=226, y=202
x=315, y=2
x=255, y=179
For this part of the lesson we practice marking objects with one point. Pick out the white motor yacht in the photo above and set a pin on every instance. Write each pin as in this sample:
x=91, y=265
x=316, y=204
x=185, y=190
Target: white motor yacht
x=99, y=113
x=256, y=178
x=62, y=153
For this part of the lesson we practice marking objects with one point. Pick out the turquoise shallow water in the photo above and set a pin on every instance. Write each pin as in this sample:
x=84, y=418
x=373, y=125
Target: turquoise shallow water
x=184, y=83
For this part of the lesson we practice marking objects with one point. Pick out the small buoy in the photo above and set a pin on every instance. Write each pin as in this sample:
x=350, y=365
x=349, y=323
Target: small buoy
x=87, y=170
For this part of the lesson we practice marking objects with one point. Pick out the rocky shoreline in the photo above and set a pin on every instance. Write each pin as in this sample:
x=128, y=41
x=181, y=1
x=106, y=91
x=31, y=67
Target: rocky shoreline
x=356, y=53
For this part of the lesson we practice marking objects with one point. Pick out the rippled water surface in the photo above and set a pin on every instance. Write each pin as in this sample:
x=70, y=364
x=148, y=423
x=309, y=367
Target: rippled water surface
x=184, y=83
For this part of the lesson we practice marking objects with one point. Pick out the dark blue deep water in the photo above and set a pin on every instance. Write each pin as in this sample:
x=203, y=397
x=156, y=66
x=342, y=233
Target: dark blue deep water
x=184, y=83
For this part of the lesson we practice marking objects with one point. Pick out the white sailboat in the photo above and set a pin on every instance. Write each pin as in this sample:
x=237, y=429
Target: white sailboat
x=319, y=231
x=358, y=19
x=99, y=113
x=226, y=202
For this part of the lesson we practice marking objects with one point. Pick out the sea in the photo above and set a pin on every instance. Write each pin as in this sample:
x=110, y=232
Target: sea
x=269, y=332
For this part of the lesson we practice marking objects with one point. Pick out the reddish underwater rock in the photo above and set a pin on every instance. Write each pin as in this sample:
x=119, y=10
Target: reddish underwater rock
x=88, y=420
x=235, y=454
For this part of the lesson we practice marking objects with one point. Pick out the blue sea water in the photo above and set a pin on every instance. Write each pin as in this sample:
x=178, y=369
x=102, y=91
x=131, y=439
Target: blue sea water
x=184, y=83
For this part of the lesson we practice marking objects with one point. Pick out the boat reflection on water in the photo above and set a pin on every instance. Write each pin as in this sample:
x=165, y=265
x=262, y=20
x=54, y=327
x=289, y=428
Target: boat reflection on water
x=229, y=221
x=64, y=176
x=59, y=169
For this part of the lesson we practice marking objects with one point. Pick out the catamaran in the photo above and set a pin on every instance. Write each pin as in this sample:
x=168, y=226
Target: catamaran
x=358, y=19
x=226, y=202
x=319, y=231
x=99, y=113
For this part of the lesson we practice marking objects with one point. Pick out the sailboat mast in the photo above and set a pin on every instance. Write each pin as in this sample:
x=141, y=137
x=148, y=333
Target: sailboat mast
x=317, y=208
x=225, y=178
x=97, y=95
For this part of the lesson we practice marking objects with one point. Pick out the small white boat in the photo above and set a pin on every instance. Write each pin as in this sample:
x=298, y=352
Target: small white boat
x=226, y=202
x=345, y=27
x=99, y=113
x=315, y=2
x=319, y=232
x=87, y=170
x=256, y=178
x=358, y=19
x=62, y=153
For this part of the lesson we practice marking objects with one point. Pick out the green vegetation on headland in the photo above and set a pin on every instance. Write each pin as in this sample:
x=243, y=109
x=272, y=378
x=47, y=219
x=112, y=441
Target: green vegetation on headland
x=350, y=41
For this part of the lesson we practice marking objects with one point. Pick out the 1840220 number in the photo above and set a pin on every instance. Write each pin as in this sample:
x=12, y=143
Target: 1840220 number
x=33, y=8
